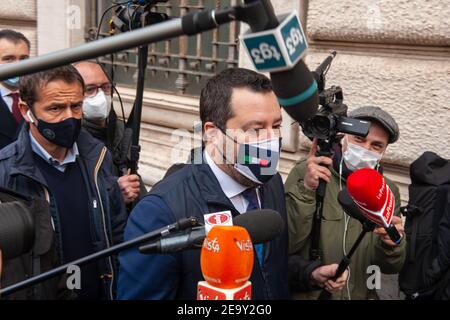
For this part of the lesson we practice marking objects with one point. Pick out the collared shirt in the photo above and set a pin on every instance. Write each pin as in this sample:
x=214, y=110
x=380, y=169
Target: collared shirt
x=232, y=189
x=5, y=92
x=71, y=155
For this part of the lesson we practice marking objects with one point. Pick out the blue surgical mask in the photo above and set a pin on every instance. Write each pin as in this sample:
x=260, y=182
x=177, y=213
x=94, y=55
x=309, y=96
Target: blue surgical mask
x=12, y=82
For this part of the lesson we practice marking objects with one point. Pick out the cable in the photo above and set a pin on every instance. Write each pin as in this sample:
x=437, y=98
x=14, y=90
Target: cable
x=115, y=4
x=130, y=22
x=121, y=103
x=344, y=236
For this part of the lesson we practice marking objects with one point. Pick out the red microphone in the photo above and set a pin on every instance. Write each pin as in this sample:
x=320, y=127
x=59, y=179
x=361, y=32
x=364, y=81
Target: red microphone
x=374, y=198
x=227, y=262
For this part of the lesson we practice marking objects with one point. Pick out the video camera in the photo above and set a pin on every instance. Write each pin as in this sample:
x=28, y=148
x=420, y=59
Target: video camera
x=16, y=224
x=331, y=118
x=136, y=15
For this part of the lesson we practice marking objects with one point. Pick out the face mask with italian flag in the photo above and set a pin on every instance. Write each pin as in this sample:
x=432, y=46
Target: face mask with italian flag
x=258, y=161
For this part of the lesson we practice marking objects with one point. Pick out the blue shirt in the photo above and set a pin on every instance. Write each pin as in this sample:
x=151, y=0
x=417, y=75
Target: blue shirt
x=71, y=155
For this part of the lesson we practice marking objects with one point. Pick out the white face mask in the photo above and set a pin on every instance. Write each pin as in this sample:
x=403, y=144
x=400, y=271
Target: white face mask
x=97, y=107
x=357, y=157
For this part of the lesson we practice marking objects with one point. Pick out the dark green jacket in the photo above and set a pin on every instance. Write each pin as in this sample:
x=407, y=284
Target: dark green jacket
x=300, y=204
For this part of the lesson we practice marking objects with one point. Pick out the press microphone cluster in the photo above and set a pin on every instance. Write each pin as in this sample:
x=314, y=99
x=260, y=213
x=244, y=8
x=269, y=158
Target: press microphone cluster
x=374, y=199
x=262, y=226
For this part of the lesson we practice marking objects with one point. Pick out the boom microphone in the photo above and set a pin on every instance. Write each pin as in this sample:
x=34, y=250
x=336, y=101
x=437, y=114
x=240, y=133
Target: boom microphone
x=374, y=198
x=278, y=49
x=262, y=226
x=296, y=90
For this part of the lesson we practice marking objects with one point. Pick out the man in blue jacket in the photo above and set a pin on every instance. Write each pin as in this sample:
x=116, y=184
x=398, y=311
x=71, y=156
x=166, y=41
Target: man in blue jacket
x=54, y=159
x=237, y=171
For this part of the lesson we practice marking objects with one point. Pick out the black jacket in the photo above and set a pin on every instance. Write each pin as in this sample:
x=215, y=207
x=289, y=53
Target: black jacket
x=8, y=125
x=107, y=211
x=194, y=191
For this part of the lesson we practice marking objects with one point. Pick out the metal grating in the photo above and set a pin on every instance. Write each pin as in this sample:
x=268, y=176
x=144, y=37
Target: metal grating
x=181, y=65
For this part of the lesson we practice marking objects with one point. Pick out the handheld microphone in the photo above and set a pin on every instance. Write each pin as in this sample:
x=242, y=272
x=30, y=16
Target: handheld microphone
x=262, y=226
x=374, y=198
x=278, y=49
x=353, y=211
x=226, y=262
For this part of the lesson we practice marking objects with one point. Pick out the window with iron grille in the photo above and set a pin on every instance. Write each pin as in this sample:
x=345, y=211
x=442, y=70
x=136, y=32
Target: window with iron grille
x=181, y=65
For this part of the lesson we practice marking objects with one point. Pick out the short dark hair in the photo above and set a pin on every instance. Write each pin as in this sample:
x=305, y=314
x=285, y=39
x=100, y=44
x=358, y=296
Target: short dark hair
x=14, y=36
x=31, y=84
x=215, y=98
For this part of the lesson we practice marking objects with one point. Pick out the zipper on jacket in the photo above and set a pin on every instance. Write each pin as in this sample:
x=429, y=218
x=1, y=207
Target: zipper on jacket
x=97, y=168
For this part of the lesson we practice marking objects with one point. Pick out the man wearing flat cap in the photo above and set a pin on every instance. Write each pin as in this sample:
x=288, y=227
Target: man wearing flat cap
x=376, y=253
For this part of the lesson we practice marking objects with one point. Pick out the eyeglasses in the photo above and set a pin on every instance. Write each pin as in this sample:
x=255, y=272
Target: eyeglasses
x=92, y=90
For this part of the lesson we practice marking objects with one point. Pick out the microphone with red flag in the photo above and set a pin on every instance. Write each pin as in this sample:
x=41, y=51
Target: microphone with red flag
x=374, y=198
x=227, y=262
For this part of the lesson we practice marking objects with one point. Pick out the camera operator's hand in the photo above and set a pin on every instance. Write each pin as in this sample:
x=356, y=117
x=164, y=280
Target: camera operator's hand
x=321, y=276
x=129, y=186
x=315, y=168
x=381, y=232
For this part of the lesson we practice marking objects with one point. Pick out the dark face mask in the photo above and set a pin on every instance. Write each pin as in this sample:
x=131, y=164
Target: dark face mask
x=63, y=133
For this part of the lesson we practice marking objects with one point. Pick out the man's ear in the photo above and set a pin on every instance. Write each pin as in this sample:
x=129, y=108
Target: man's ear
x=210, y=132
x=23, y=107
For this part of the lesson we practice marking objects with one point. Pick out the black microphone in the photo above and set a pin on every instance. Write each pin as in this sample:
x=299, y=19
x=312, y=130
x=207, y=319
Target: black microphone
x=295, y=88
x=393, y=233
x=353, y=211
x=262, y=226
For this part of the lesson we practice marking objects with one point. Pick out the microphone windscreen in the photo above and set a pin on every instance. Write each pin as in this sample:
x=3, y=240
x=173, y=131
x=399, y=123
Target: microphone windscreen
x=368, y=188
x=227, y=257
x=262, y=225
x=296, y=91
x=372, y=195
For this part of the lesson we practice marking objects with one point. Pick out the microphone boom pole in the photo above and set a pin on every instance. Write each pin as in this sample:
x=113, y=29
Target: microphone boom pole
x=254, y=13
x=345, y=262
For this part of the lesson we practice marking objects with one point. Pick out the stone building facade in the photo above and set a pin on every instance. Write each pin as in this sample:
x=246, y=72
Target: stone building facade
x=394, y=54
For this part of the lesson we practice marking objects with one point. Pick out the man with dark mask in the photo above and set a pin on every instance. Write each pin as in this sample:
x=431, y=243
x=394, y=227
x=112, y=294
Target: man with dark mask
x=338, y=230
x=236, y=172
x=56, y=160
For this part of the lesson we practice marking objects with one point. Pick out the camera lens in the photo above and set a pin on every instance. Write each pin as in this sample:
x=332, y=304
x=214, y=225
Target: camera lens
x=16, y=229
